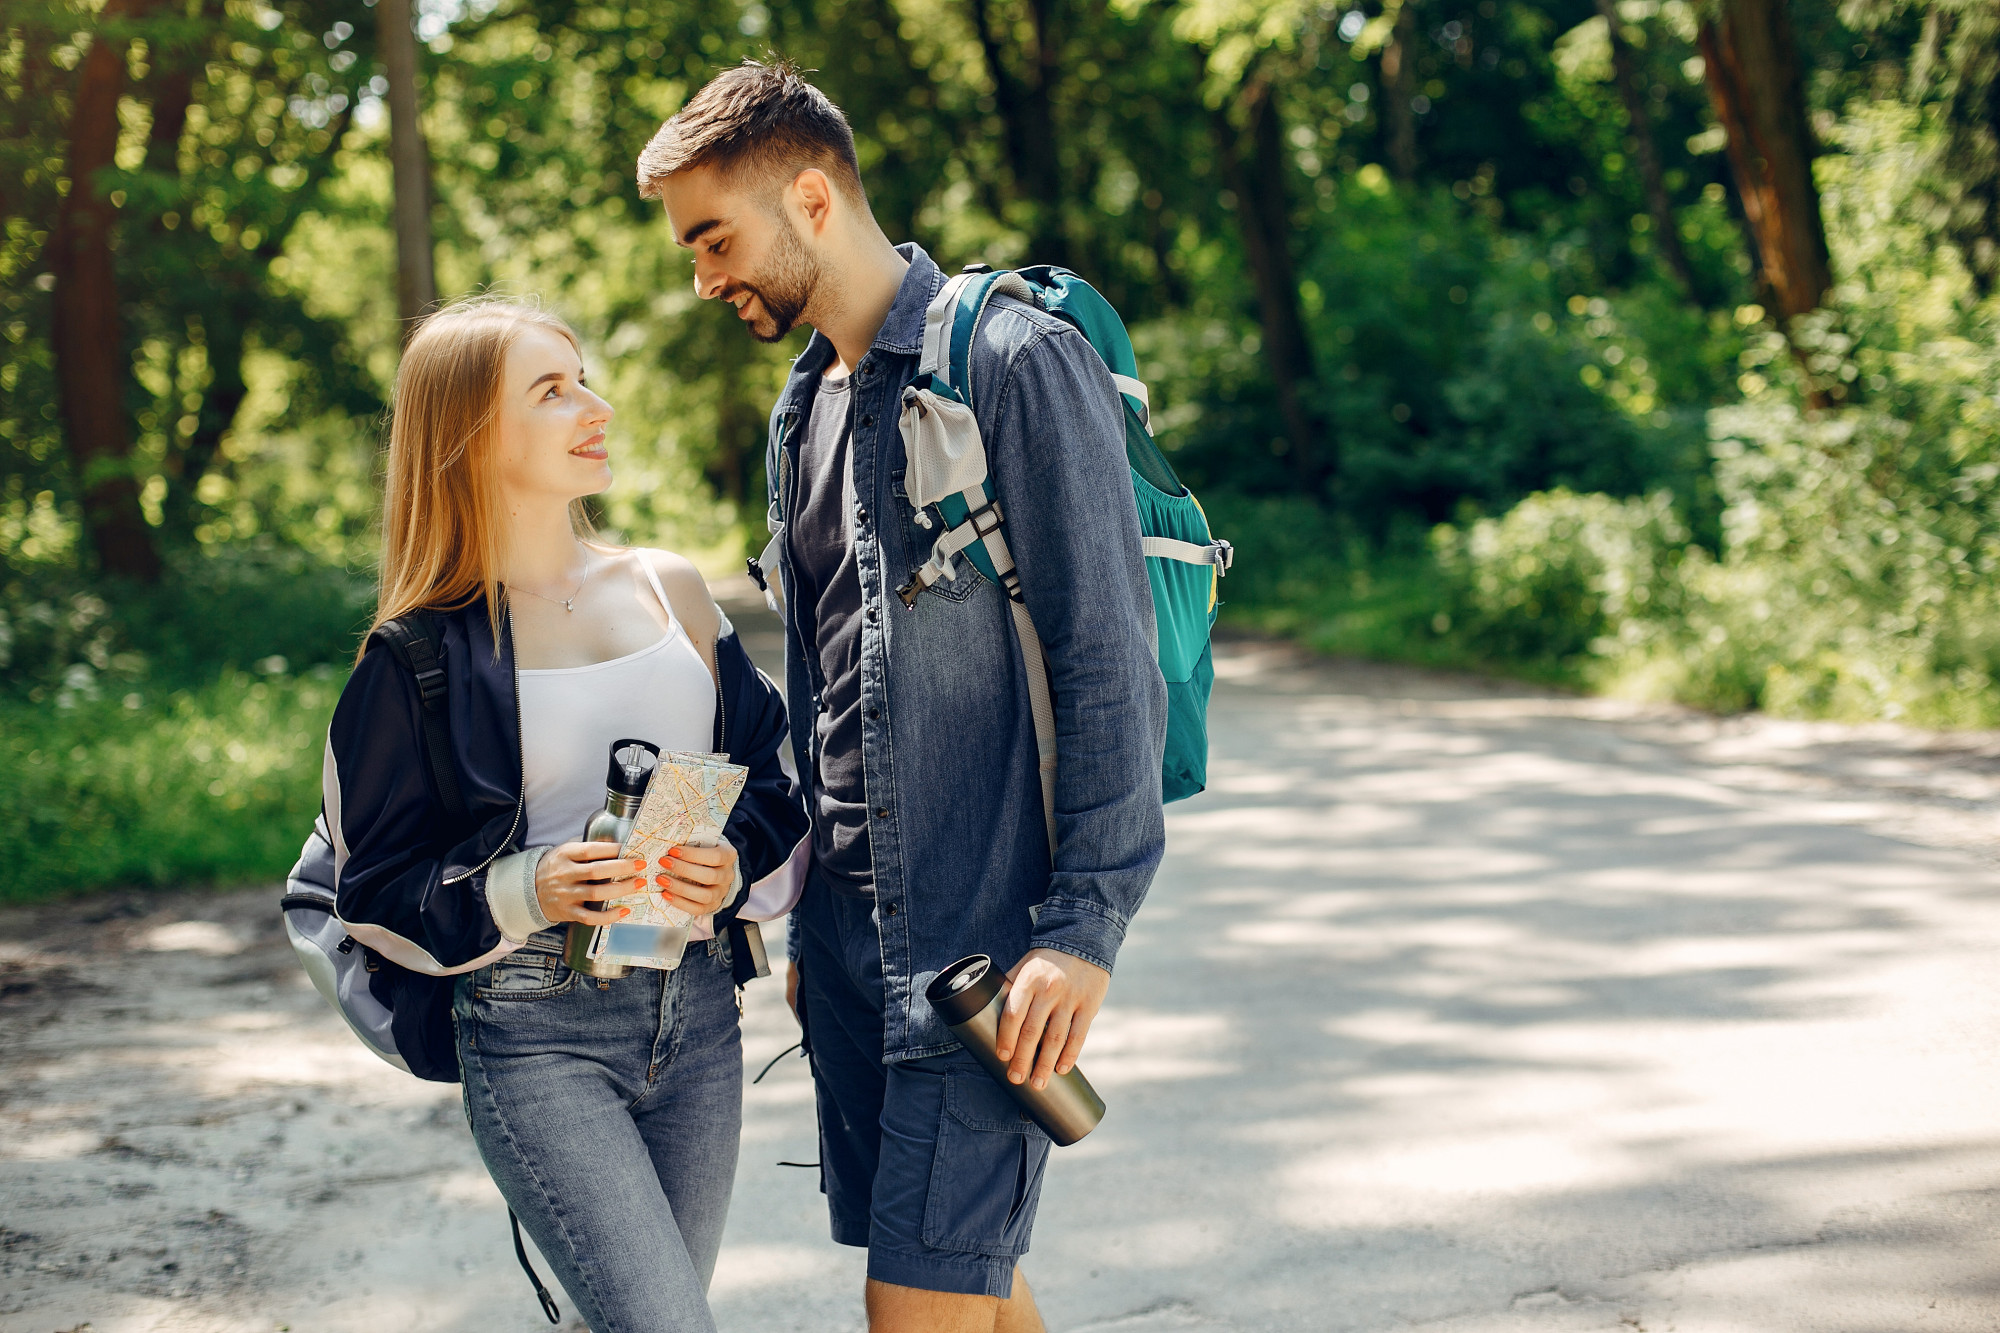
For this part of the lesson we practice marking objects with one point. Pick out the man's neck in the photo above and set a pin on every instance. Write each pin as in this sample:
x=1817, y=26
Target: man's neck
x=867, y=285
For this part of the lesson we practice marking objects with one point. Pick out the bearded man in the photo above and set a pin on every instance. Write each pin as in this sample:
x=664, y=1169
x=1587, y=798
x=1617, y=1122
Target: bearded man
x=912, y=723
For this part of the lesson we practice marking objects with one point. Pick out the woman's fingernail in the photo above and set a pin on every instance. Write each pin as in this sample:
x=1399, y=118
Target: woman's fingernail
x=624, y=912
x=674, y=853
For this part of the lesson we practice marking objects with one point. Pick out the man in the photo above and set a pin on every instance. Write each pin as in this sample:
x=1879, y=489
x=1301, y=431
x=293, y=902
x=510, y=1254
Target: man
x=912, y=723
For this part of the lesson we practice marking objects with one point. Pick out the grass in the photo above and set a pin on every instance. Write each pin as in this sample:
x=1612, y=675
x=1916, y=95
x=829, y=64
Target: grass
x=214, y=785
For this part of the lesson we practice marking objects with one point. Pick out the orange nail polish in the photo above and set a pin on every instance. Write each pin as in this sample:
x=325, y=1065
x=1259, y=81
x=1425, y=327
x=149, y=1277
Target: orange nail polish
x=674, y=853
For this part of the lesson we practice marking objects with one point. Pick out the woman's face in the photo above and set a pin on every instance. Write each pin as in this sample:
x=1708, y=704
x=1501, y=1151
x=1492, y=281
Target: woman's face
x=550, y=428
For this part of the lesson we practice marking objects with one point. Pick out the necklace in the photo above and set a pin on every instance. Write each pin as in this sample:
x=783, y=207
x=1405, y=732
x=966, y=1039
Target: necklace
x=566, y=603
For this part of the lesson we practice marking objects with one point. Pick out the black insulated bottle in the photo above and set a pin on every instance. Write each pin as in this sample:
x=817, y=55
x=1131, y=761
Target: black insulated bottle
x=969, y=996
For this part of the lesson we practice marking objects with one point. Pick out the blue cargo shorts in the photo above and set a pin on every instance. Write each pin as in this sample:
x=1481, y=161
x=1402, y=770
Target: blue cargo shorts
x=927, y=1163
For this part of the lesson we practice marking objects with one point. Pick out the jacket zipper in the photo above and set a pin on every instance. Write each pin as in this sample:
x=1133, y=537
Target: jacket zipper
x=721, y=708
x=520, y=760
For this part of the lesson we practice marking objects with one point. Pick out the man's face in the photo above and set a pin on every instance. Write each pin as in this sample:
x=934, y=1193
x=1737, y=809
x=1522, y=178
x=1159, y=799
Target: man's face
x=746, y=250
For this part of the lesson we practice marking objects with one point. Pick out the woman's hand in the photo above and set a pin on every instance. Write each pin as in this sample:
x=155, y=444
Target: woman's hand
x=587, y=872
x=698, y=879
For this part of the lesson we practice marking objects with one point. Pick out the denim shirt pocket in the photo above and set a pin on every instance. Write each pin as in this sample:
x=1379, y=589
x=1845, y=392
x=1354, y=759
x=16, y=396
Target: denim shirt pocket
x=918, y=540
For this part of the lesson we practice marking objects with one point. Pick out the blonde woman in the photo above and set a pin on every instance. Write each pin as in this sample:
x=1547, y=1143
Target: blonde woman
x=607, y=1111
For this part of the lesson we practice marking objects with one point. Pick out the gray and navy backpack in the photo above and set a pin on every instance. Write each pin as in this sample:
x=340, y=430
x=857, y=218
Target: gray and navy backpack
x=946, y=467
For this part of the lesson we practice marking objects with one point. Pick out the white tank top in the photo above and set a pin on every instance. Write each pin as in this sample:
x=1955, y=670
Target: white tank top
x=571, y=715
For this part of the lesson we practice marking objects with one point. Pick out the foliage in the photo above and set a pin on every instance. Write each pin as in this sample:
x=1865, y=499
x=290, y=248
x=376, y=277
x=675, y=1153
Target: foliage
x=228, y=128
x=1462, y=365
x=208, y=786
x=1854, y=572
x=1538, y=445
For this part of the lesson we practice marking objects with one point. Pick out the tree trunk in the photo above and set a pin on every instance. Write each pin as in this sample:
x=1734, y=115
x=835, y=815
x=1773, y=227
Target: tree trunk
x=416, y=278
x=88, y=339
x=1399, y=92
x=1263, y=216
x=1646, y=153
x=1754, y=84
x=1027, y=115
x=221, y=399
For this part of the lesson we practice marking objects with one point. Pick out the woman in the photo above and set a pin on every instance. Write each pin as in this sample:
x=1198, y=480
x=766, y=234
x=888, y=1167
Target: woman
x=607, y=1111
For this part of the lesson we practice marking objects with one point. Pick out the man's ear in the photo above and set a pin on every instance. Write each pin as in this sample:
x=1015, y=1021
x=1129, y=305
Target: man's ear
x=812, y=195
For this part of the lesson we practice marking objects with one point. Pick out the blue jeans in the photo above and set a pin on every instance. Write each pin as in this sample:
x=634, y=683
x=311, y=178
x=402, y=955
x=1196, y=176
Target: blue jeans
x=608, y=1114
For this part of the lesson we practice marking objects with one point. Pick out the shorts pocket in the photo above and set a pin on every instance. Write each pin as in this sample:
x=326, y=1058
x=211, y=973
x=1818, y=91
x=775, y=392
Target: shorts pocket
x=986, y=1174
x=531, y=972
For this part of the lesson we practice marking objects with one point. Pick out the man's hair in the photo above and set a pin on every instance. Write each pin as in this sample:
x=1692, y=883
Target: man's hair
x=755, y=119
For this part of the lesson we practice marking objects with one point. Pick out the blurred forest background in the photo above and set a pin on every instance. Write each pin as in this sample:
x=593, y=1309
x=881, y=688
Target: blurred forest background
x=1643, y=346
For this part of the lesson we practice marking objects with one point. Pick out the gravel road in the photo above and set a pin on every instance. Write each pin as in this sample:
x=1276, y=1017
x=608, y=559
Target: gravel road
x=1457, y=1006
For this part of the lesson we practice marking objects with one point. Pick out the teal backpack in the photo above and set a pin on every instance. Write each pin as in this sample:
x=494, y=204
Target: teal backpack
x=946, y=467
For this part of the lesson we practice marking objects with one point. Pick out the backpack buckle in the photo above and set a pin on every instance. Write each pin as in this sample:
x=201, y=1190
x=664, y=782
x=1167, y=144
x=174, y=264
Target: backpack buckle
x=431, y=687
x=986, y=519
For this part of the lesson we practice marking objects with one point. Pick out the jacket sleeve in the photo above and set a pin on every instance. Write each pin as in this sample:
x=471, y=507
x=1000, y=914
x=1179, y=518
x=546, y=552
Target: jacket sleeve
x=389, y=858
x=1056, y=450
x=768, y=825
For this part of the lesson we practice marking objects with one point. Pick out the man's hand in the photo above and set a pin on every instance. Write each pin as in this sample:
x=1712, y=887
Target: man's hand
x=1052, y=1000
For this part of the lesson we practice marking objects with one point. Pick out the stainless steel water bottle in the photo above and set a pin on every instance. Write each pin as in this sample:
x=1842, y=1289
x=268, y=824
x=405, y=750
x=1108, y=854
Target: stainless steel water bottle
x=632, y=764
x=969, y=996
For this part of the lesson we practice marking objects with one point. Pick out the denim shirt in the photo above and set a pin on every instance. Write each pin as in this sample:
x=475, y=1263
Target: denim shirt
x=961, y=850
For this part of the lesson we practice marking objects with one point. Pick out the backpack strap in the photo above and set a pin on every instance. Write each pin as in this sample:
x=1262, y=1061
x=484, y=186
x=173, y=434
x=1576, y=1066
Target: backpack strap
x=415, y=641
x=1218, y=552
x=973, y=517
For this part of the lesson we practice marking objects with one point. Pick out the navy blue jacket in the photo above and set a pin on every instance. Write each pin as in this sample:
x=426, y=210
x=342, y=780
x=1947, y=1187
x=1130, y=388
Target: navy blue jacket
x=413, y=888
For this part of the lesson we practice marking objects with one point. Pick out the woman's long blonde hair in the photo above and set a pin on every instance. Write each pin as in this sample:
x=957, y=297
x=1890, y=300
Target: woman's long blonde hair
x=443, y=537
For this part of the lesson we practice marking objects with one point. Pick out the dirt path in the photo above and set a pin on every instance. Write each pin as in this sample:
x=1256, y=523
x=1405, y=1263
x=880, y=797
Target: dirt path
x=1457, y=1007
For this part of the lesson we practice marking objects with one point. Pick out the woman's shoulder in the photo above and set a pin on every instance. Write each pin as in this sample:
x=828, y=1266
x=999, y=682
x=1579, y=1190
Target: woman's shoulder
x=686, y=589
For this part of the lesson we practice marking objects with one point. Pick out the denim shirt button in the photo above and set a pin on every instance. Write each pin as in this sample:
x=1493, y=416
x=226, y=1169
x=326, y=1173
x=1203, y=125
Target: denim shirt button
x=871, y=615
x=874, y=712
x=888, y=909
x=881, y=812
x=867, y=420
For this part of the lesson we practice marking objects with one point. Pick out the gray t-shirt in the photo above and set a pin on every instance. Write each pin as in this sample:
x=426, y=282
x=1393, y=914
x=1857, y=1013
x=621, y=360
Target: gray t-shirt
x=821, y=536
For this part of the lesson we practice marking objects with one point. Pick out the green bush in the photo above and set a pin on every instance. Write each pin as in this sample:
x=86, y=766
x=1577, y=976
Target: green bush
x=62, y=635
x=1848, y=559
x=169, y=735
x=215, y=785
x=1551, y=587
x=1457, y=364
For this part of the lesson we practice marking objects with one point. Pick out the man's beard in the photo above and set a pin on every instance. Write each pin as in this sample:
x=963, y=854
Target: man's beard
x=784, y=287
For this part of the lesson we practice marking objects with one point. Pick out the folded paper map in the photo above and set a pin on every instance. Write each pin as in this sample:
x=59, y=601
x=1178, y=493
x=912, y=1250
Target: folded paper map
x=687, y=804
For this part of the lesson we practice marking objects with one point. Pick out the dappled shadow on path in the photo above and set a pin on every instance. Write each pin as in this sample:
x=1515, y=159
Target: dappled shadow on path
x=1455, y=1008
x=1441, y=1004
